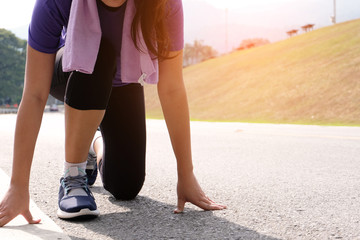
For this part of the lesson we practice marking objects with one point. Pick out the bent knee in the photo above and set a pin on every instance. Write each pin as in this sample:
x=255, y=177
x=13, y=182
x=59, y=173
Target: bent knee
x=127, y=190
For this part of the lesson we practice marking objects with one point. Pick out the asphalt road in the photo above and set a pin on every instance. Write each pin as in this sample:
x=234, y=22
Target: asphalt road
x=278, y=181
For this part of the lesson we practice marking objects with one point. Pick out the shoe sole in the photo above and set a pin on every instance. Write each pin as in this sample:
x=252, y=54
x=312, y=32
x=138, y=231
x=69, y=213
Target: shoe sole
x=82, y=212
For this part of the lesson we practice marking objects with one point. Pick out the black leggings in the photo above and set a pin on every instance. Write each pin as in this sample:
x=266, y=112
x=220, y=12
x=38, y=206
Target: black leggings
x=122, y=168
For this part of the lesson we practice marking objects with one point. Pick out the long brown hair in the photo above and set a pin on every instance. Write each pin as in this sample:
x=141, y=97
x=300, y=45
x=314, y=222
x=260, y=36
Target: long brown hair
x=151, y=17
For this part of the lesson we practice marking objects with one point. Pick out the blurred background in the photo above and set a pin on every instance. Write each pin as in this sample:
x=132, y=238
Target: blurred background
x=281, y=61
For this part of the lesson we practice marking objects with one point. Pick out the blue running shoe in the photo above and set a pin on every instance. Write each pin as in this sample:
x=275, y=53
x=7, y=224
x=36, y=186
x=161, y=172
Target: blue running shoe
x=75, y=198
x=91, y=169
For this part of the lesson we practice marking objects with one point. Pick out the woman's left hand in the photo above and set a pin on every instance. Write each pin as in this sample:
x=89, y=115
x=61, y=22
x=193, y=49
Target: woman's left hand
x=189, y=190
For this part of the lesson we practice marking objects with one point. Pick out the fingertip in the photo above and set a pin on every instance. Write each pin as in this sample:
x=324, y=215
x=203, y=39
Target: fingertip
x=35, y=221
x=180, y=206
x=28, y=216
x=4, y=220
x=177, y=211
x=222, y=206
x=218, y=207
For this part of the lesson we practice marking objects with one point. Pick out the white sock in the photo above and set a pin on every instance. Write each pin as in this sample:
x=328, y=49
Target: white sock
x=68, y=165
x=73, y=170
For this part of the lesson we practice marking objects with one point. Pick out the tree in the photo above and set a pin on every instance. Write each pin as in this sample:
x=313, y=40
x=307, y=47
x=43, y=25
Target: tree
x=12, y=67
x=292, y=32
x=253, y=42
x=197, y=52
x=308, y=27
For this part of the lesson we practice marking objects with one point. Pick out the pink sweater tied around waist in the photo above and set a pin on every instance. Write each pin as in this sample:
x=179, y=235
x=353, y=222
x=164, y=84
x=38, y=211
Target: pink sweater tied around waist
x=83, y=41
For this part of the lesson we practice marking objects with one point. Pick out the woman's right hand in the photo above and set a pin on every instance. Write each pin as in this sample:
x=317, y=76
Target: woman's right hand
x=15, y=202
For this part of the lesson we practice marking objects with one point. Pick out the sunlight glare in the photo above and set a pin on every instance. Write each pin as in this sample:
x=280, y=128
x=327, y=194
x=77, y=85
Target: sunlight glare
x=15, y=13
x=237, y=4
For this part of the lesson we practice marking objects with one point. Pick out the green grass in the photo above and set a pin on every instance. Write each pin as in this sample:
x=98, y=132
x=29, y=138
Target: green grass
x=313, y=78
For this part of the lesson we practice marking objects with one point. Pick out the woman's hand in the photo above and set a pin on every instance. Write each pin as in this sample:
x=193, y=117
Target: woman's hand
x=189, y=190
x=14, y=203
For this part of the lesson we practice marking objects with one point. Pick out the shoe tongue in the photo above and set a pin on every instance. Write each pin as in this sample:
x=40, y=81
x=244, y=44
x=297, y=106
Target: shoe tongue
x=73, y=171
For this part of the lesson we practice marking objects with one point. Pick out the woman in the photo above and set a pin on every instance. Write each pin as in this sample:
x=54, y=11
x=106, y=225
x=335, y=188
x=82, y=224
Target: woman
x=112, y=48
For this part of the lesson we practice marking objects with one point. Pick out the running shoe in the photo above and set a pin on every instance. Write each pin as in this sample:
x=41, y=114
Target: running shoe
x=75, y=198
x=91, y=169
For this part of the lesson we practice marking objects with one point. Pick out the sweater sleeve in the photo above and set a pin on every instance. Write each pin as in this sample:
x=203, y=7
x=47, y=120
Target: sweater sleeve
x=175, y=25
x=47, y=29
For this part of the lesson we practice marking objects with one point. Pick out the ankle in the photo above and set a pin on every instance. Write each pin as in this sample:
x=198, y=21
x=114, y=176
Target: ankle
x=73, y=168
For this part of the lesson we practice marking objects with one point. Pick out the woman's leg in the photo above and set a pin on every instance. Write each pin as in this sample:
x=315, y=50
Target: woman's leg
x=80, y=127
x=86, y=97
x=122, y=167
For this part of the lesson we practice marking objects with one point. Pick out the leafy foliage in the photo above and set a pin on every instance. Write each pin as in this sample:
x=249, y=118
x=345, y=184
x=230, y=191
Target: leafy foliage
x=254, y=42
x=197, y=52
x=12, y=67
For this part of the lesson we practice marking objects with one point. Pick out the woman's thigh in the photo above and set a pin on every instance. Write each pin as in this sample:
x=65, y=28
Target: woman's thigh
x=86, y=91
x=124, y=134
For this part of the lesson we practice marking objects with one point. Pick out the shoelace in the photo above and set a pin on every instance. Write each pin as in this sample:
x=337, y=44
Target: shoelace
x=91, y=161
x=74, y=182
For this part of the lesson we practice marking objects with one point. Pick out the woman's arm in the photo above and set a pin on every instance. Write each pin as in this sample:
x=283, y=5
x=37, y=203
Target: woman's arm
x=38, y=75
x=174, y=103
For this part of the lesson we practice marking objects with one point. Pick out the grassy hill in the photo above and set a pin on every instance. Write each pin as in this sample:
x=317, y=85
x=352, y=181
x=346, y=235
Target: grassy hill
x=311, y=78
